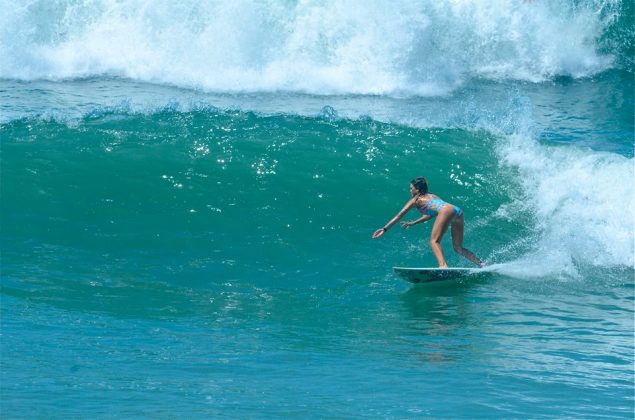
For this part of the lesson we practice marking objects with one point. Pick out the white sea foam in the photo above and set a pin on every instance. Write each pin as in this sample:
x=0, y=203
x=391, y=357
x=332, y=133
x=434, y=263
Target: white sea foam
x=423, y=47
x=582, y=203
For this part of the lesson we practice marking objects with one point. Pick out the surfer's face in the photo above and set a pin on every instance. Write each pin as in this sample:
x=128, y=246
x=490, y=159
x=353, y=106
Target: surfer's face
x=413, y=190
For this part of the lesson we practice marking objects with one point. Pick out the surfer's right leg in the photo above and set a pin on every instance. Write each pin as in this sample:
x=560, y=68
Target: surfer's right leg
x=438, y=230
x=456, y=231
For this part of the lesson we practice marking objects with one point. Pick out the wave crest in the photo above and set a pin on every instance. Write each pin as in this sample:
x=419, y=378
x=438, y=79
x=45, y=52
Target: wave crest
x=406, y=47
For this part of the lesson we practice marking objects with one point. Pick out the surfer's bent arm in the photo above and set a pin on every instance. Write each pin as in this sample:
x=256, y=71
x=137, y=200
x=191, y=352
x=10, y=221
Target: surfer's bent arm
x=395, y=219
x=422, y=219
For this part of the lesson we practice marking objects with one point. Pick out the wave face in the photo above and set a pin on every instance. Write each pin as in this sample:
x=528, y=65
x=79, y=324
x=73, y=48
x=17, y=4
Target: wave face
x=403, y=47
x=262, y=189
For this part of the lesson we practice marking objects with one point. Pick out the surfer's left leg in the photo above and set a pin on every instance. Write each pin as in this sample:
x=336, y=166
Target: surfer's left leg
x=456, y=231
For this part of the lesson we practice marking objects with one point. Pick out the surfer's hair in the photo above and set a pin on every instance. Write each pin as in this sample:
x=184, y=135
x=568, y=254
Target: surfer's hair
x=420, y=184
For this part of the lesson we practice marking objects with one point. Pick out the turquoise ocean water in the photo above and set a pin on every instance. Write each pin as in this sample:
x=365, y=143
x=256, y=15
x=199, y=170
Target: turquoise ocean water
x=188, y=191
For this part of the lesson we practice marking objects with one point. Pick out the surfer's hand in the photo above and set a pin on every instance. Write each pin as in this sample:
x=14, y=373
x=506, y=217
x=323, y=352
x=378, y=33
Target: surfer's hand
x=378, y=233
x=406, y=225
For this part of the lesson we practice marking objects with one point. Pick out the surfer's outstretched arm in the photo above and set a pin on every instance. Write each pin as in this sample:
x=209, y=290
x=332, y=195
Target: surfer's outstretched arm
x=395, y=219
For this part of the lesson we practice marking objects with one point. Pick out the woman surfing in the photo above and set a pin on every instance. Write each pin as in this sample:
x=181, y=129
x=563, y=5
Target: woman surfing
x=447, y=215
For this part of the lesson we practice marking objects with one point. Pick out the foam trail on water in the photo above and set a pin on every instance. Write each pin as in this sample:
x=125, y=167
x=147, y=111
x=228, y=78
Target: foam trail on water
x=404, y=47
x=582, y=204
